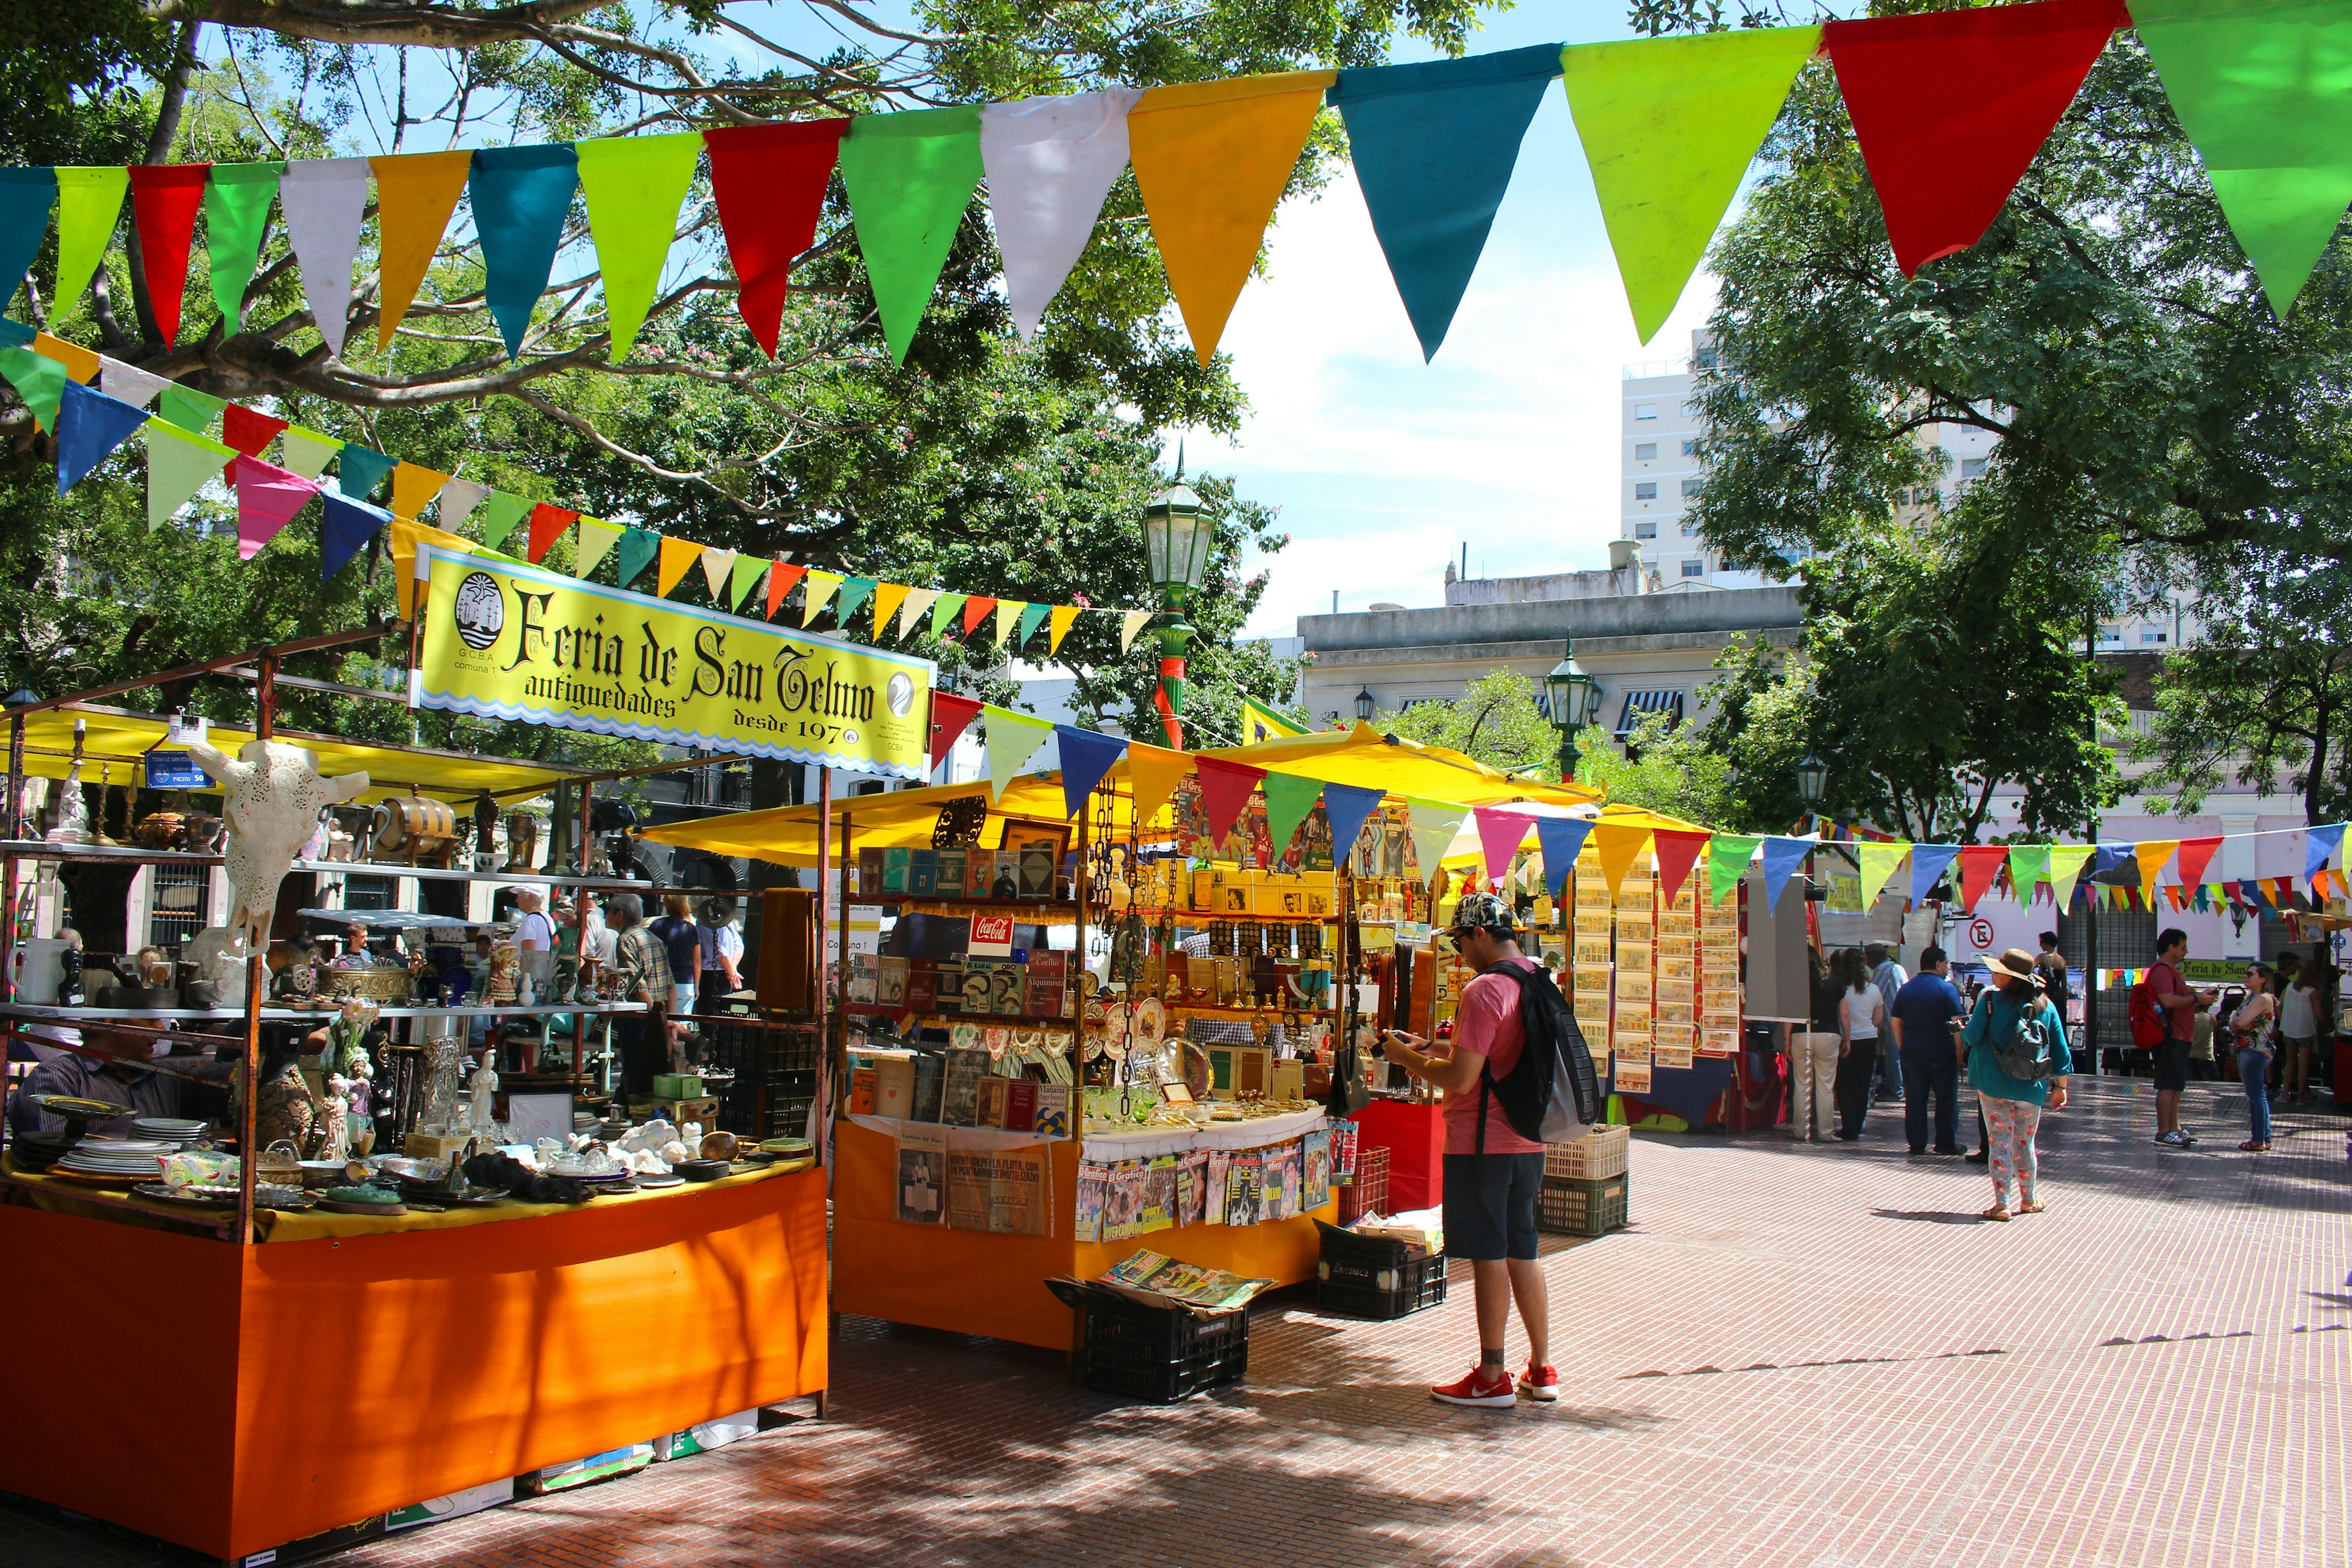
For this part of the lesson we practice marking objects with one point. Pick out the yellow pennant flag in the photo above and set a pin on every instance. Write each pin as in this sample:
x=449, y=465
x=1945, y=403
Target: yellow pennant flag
x=887, y=597
x=1879, y=861
x=917, y=605
x=1617, y=847
x=2152, y=854
x=596, y=537
x=677, y=555
x=1135, y=621
x=1008, y=616
x=406, y=534
x=818, y=592
x=1211, y=159
x=1058, y=622
x=81, y=364
x=1154, y=771
x=414, y=195
x=2066, y=863
x=412, y=486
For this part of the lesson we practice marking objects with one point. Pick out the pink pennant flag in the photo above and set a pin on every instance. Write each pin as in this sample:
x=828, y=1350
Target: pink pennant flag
x=267, y=497
x=1501, y=831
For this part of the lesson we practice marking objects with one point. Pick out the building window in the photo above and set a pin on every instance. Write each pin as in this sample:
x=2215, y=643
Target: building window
x=1925, y=494
x=2146, y=636
x=2111, y=636
x=1695, y=567
x=1646, y=451
x=1645, y=530
x=1645, y=411
x=1646, y=490
x=1692, y=487
x=1690, y=530
x=1690, y=449
x=1970, y=468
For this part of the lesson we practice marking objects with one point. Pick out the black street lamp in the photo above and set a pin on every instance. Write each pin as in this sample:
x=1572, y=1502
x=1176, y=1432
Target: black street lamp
x=1575, y=702
x=1365, y=706
x=1813, y=782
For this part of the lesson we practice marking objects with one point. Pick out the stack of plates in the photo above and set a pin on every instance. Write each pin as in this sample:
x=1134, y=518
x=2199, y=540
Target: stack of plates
x=114, y=1160
x=178, y=1131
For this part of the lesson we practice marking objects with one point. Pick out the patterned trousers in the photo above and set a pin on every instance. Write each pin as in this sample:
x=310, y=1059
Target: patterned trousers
x=2010, y=1125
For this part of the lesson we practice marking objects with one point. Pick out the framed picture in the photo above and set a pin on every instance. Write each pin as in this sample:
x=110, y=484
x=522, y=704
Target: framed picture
x=1036, y=848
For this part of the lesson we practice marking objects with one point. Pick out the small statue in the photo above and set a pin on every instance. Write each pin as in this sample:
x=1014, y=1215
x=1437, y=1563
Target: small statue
x=335, y=1120
x=486, y=1088
x=499, y=989
x=448, y=1062
x=68, y=814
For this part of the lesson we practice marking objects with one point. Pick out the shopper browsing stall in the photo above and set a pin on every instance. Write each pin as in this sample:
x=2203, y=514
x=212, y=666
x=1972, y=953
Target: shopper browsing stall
x=2250, y=1032
x=641, y=963
x=1492, y=1174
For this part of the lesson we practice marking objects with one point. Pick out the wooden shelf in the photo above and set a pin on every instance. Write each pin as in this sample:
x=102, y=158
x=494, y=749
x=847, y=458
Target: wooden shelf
x=1012, y=906
x=871, y=1009
x=297, y=1015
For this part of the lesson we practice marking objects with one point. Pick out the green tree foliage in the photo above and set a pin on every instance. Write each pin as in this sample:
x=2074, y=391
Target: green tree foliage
x=1495, y=720
x=1925, y=682
x=1665, y=767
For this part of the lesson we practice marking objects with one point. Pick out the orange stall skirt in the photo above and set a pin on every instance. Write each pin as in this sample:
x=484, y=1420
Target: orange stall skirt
x=977, y=1282
x=230, y=1398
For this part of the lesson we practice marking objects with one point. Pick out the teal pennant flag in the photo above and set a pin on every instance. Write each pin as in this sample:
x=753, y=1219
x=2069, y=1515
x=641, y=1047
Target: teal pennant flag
x=520, y=196
x=1433, y=146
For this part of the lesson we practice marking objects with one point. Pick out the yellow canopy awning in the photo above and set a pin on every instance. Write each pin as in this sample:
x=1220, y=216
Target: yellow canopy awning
x=113, y=742
x=904, y=819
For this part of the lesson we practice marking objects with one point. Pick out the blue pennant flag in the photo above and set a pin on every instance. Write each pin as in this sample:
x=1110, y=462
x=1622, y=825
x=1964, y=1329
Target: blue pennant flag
x=89, y=426
x=1433, y=145
x=1562, y=839
x=1087, y=756
x=350, y=524
x=1928, y=863
x=2318, y=844
x=1348, y=807
x=1781, y=859
x=2106, y=858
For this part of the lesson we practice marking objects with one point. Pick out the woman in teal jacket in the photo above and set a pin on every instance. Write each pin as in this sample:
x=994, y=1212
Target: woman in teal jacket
x=2013, y=1107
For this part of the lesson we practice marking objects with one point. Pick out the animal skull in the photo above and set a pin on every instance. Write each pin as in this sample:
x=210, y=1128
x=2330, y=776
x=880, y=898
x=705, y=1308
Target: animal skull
x=273, y=797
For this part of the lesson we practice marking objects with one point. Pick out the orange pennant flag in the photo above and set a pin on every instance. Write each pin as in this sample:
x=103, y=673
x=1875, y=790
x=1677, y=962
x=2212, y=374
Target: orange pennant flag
x=414, y=195
x=1058, y=627
x=412, y=485
x=2153, y=853
x=780, y=578
x=1154, y=771
x=887, y=598
x=1211, y=159
x=1617, y=845
x=676, y=556
x=976, y=610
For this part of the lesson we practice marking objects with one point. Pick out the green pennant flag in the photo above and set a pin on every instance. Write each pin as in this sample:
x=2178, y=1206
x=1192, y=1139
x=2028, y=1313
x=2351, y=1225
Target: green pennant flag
x=1879, y=862
x=944, y=608
x=90, y=201
x=854, y=591
x=39, y=381
x=1012, y=740
x=308, y=453
x=1727, y=854
x=191, y=409
x=909, y=176
x=1288, y=799
x=638, y=548
x=1435, y=825
x=2066, y=863
x=2264, y=92
x=749, y=570
x=237, y=210
x=502, y=512
x=2027, y=864
x=1031, y=617
x=634, y=185
x=1669, y=126
x=596, y=536
x=178, y=464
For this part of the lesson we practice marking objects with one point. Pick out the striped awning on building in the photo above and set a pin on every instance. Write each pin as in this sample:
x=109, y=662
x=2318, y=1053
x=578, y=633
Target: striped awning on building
x=1640, y=705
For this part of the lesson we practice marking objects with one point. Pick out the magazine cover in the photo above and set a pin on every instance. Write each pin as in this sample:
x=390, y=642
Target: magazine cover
x=1244, y=1177
x=1212, y=1188
x=922, y=1174
x=1343, y=1136
x=1093, y=1183
x=1192, y=1187
x=1159, y=1195
x=1124, y=1205
x=1164, y=1281
x=1315, y=1182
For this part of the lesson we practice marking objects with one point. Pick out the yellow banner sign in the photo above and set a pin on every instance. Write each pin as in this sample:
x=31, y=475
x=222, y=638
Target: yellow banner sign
x=504, y=640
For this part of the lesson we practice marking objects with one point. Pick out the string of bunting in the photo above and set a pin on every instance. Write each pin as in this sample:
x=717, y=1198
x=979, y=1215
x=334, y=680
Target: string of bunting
x=1949, y=108
x=94, y=404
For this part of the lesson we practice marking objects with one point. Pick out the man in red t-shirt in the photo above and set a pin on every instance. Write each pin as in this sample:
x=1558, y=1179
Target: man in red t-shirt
x=1491, y=1173
x=2171, y=1054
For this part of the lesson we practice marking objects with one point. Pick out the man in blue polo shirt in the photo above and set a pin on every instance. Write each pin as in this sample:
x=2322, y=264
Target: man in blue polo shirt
x=1926, y=1013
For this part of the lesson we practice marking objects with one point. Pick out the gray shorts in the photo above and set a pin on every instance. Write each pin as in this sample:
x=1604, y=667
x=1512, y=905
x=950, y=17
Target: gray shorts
x=1490, y=1206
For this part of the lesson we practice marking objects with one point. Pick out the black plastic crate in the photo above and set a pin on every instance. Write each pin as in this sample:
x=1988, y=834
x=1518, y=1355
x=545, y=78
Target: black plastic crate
x=1374, y=1277
x=1577, y=1205
x=774, y=1067
x=1160, y=1355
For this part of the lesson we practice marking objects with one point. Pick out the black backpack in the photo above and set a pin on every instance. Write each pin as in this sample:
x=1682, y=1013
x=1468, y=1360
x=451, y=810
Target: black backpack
x=1551, y=1094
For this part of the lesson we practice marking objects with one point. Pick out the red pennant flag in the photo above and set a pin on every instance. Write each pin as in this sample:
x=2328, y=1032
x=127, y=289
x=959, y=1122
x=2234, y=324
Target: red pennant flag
x=1678, y=851
x=1950, y=107
x=249, y=432
x=2193, y=856
x=1979, y=864
x=1225, y=789
x=164, y=198
x=2283, y=893
x=951, y=716
x=976, y=609
x=769, y=181
x=780, y=579
x=547, y=525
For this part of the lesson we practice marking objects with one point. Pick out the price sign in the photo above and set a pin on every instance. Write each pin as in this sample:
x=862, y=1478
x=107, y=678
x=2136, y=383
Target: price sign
x=175, y=770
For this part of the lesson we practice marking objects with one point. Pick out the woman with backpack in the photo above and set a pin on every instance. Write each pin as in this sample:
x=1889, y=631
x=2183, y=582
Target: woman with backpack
x=2018, y=1063
x=2250, y=1031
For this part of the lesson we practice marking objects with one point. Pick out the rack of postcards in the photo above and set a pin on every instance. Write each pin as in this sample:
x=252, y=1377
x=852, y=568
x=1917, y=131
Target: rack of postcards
x=1654, y=979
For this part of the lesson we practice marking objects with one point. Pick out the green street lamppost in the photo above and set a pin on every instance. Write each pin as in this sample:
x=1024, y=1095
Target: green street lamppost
x=1177, y=537
x=1575, y=704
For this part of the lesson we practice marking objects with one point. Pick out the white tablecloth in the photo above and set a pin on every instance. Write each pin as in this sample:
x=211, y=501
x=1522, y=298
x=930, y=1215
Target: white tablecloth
x=1149, y=1142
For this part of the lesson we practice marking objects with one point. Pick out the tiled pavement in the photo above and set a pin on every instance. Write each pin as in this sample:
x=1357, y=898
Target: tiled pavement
x=1795, y=1356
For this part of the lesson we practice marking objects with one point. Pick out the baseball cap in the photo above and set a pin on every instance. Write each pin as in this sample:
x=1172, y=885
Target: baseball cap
x=1486, y=911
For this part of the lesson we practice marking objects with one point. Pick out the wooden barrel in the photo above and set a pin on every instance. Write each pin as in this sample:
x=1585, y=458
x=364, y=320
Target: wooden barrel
x=415, y=828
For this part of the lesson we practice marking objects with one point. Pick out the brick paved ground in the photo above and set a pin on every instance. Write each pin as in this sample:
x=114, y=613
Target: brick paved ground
x=1795, y=1356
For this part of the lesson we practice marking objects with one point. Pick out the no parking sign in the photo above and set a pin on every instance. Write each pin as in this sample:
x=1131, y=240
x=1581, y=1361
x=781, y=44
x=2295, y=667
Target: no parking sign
x=1981, y=935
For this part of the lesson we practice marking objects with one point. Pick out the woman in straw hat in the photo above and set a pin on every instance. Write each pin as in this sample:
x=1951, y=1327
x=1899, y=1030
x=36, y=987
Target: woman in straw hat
x=2003, y=1024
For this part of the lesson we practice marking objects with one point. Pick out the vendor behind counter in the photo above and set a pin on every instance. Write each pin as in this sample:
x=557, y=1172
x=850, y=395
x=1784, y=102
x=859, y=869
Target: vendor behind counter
x=125, y=1077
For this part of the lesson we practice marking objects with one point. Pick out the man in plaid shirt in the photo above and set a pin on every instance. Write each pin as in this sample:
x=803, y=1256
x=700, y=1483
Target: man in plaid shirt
x=642, y=964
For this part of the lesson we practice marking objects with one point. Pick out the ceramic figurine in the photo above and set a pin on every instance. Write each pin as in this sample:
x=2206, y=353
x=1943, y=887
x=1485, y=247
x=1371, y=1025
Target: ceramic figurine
x=485, y=1088
x=439, y=1112
x=219, y=956
x=273, y=797
x=499, y=989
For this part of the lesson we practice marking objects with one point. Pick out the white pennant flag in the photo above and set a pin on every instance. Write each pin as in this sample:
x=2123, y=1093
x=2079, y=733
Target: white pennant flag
x=917, y=605
x=1135, y=621
x=718, y=565
x=1050, y=161
x=324, y=201
x=129, y=382
x=458, y=500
